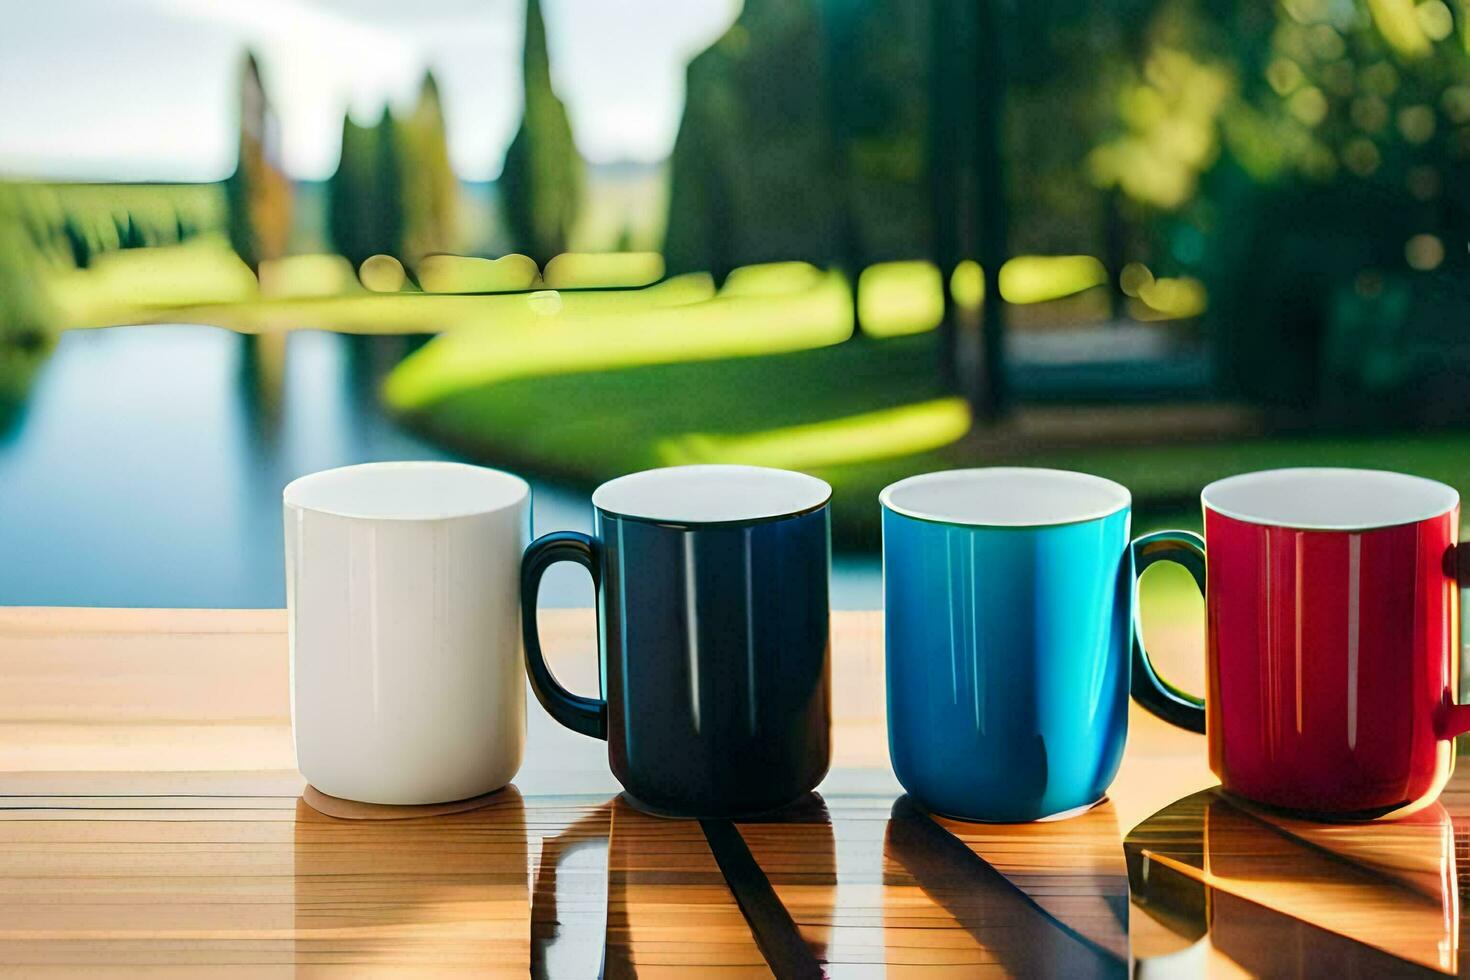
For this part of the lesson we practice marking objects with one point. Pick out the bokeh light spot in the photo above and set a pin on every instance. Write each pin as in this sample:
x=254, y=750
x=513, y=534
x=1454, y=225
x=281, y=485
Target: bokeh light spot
x=1435, y=20
x=1416, y=123
x=1369, y=113
x=1134, y=277
x=1361, y=157
x=1309, y=105
x=1424, y=252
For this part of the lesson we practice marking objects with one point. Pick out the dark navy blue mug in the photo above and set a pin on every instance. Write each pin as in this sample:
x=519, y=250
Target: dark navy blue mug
x=1008, y=596
x=713, y=623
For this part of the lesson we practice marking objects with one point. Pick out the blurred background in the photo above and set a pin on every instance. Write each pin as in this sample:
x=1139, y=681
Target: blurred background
x=1159, y=240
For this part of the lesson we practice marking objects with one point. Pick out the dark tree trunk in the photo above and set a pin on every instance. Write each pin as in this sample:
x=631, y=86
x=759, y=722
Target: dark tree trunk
x=993, y=221
x=947, y=53
x=1115, y=254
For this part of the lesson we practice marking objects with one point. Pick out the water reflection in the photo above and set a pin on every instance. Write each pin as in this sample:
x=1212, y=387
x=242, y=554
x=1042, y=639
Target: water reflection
x=263, y=381
x=148, y=466
x=19, y=363
x=145, y=465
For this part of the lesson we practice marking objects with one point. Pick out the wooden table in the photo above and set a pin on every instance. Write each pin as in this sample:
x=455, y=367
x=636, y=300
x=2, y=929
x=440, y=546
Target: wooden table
x=152, y=825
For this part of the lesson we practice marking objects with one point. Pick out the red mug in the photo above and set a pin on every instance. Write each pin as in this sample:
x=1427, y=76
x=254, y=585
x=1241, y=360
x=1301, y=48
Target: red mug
x=1332, y=606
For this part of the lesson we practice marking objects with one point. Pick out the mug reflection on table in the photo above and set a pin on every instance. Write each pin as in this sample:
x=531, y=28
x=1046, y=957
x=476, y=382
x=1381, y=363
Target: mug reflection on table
x=713, y=624
x=1275, y=892
x=1007, y=594
x=1332, y=651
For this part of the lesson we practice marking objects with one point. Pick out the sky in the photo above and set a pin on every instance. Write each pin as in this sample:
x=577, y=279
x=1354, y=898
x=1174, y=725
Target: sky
x=146, y=89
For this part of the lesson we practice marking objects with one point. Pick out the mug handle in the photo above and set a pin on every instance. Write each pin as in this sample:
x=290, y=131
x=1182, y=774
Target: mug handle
x=1453, y=718
x=580, y=714
x=1187, y=549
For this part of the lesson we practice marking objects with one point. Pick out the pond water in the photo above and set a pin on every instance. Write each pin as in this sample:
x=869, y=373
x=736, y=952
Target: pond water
x=146, y=467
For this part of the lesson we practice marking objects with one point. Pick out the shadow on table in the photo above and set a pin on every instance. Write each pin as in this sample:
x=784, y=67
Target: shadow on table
x=867, y=884
x=1005, y=914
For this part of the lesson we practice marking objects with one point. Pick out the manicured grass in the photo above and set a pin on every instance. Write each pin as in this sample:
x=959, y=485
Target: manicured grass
x=590, y=384
x=678, y=320
x=587, y=427
x=127, y=286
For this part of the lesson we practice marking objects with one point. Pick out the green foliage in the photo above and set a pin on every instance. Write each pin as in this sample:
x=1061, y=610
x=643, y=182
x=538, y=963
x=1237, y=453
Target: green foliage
x=1068, y=60
x=1310, y=162
x=129, y=233
x=753, y=171
x=27, y=320
x=430, y=188
x=394, y=192
x=541, y=183
x=70, y=225
x=77, y=241
x=24, y=312
x=258, y=192
x=839, y=130
x=365, y=209
x=389, y=184
x=877, y=67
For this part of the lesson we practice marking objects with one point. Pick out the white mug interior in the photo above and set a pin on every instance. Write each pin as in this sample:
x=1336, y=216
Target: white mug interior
x=1329, y=498
x=711, y=494
x=406, y=491
x=1006, y=496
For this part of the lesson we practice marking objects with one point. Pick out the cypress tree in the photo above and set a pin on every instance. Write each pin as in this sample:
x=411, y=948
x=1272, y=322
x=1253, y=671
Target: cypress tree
x=541, y=182
x=387, y=229
x=258, y=192
x=753, y=172
x=364, y=206
x=78, y=241
x=430, y=188
x=346, y=207
x=26, y=314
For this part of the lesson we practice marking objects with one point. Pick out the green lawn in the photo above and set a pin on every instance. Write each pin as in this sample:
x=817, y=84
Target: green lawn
x=826, y=410
x=589, y=384
x=586, y=427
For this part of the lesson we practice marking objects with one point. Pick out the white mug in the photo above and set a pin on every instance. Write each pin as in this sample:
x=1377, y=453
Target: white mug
x=403, y=603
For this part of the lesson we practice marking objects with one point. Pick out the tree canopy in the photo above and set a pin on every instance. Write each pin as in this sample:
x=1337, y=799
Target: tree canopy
x=259, y=192
x=430, y=188
x=365, y=206
x=541, y=183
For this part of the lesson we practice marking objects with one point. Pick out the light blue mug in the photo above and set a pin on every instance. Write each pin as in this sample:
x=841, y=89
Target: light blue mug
x=1008, y=597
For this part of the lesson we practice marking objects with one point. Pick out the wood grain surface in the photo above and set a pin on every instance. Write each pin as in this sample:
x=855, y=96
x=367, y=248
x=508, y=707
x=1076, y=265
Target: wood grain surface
x=151, y=824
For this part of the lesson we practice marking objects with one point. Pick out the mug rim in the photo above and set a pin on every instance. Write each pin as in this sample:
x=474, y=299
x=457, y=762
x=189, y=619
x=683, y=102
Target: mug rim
x=885, y=497
x=291, y=495
x=757, y=517
x=1449, y=498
